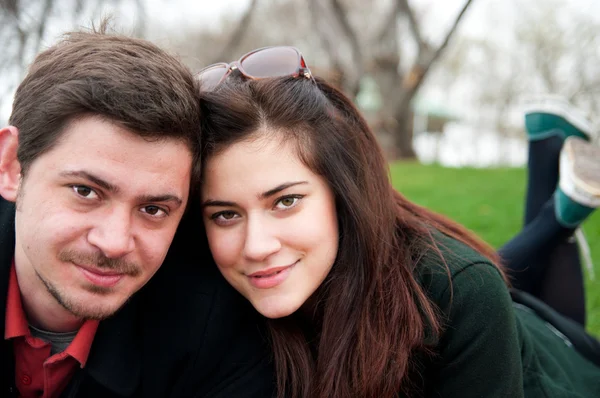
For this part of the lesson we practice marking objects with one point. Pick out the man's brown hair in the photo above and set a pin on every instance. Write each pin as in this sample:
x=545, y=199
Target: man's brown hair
x=128, y=81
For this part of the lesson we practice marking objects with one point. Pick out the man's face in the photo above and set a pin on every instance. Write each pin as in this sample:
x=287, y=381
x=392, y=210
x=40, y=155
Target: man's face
x=97, y=213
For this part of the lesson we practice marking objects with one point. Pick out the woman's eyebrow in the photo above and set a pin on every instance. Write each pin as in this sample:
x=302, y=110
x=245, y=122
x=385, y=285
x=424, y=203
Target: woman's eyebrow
x=262, y=196
x=217, y=203
x=280, y=188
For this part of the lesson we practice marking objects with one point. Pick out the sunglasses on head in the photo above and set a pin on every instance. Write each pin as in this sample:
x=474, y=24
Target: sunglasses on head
x=258, y=64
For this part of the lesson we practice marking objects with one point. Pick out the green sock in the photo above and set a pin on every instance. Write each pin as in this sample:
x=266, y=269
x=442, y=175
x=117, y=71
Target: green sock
x=569, y=213
x=541, y=125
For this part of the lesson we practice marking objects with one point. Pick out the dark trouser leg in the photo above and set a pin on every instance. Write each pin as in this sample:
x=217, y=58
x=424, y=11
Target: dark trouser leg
x=558, y=277
x=521, y=255
x=542, y=174
x=562, y=286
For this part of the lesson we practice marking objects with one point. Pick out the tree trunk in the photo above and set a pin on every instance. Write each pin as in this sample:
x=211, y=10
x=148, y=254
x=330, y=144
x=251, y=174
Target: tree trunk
x=427, y=54
x=402, y=130
x=403, y=137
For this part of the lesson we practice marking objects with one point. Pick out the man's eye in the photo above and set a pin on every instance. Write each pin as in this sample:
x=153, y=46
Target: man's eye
x=154, y=211
x=84, y=192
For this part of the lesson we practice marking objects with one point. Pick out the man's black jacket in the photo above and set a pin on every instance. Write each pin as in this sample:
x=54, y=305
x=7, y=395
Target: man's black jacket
x=187, y=333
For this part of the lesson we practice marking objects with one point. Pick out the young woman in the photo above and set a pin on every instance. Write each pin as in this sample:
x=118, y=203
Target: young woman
x=368, y=294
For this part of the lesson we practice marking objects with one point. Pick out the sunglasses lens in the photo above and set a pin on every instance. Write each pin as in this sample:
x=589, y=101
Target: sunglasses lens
x=211, y=76
x=272, y=62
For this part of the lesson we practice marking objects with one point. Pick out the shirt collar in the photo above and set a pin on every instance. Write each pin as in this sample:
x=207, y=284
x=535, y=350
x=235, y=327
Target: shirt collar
x=17, y=325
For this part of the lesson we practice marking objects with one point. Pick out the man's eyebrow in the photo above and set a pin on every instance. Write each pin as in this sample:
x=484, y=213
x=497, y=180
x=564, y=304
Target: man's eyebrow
x=114, y=189
x=280, y=188
x=88, y=176
x=262, y=196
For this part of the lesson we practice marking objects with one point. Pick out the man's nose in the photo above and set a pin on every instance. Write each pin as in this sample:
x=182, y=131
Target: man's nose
x=112, y=233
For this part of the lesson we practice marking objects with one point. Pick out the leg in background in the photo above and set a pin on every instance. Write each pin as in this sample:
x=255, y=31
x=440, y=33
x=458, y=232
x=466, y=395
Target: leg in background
x=574, y=200
x=548, y=123
x=521, y=254
x=562, y=284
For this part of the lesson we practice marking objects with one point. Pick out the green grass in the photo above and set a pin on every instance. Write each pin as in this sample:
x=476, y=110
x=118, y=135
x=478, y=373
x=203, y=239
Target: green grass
x=490, y=203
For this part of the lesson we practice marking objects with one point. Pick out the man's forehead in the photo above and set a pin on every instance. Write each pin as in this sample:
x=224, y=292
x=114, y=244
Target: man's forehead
x=90, y=126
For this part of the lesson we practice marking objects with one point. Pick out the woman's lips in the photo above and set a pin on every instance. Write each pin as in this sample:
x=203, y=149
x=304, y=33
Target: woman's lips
x=271, y=277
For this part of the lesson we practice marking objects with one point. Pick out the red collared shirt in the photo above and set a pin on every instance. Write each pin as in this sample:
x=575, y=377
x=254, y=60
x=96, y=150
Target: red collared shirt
x=37, y=373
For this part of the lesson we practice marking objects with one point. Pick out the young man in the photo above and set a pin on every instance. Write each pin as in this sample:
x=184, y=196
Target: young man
x=95, y=171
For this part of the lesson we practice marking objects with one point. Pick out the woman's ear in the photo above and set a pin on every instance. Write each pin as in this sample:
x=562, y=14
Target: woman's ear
x=10, y=168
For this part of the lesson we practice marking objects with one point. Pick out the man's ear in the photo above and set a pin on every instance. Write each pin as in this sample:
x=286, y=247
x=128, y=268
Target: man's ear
x=10, y=168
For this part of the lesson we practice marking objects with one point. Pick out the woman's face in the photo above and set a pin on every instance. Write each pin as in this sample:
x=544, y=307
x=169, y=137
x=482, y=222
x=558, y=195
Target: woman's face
x=271, y=224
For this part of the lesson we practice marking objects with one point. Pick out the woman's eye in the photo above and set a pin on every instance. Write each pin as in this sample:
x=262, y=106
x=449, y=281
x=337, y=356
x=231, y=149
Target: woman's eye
x=287, y=202
x=84, y=192
x=224, y=218
x=226, y=215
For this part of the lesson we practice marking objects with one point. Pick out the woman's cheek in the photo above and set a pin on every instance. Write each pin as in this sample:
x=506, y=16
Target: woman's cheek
x=224, y=247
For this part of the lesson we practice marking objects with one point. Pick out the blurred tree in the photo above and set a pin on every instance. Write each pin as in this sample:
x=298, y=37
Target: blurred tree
x=343, y=40
x=399, y=77
x=24, y=25
x=550, y=49
x=559, y=47
x=236, y=36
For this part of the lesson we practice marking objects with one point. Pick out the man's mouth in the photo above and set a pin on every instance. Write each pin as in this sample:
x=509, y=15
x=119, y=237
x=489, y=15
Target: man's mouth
x=100, y=277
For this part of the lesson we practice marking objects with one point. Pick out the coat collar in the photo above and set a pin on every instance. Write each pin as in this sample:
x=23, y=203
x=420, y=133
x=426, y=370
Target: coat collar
x=7, y=252
x=115, y=357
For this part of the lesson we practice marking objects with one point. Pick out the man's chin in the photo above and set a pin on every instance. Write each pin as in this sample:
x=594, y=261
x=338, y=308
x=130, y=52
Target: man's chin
x=95, y=312
x=94, y=306
x=88, y=301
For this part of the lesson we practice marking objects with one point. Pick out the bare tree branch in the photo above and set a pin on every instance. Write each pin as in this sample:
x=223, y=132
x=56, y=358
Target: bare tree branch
x=323, y=36
x=412, y=23
x=14, y=12
x=10, y=5
x=238, y=34
x=97, y=12
x=41, y=29
x=413, y=81
x=585, y=87
x=140, y=25
x=451, y=32
x=390, y=22
x=340, y=15
x=326, y=42
x=77, y=9
x=426, y=57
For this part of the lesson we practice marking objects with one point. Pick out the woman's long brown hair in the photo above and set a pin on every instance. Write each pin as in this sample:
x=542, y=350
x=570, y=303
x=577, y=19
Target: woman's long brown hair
x=373, y=315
